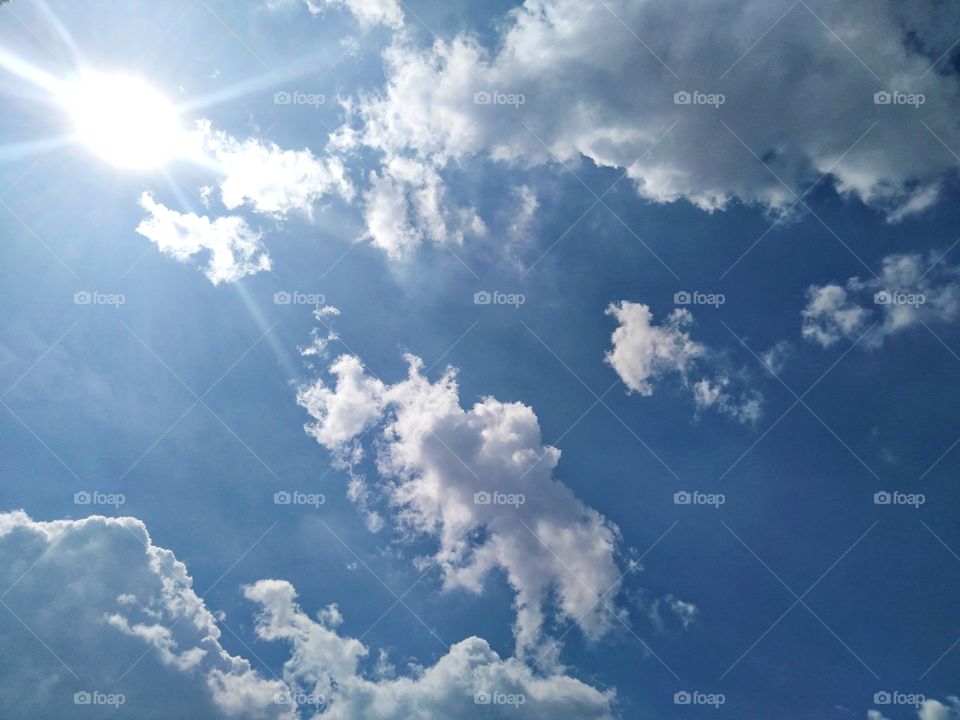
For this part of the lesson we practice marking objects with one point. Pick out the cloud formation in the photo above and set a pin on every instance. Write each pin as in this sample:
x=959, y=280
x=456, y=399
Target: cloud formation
x=563, y=81
x=644, y=353
x=479, y=481
x=114, y=615
x=910, y=289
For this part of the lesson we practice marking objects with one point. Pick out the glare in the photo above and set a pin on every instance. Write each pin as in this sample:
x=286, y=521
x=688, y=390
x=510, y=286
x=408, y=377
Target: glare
x=124, y=120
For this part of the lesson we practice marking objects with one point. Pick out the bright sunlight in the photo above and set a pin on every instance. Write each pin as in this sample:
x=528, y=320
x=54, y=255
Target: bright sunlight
x=124, y=120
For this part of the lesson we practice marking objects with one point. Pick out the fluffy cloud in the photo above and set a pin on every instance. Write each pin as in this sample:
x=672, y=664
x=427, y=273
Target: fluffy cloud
x=910, y=289
x=564, y=81
x=479, y=481
x=644, y=352
x=98, y=593
x=114, y=614
x=367, y=12
x=271, y=180
x=261, y=177
x=407, y=204
x=232, y=247
x=325, y=666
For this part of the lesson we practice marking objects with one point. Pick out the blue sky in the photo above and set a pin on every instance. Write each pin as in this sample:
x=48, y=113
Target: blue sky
x=607, y=352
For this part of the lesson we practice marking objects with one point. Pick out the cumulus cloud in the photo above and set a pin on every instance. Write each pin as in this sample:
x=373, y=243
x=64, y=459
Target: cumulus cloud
x=325, y=666
x=98, y=593
x=479, y=481
x=563, y=81
x=644, y=352
x=367, y=12
x=233, y=249
x=909, y=289
x=271, y=180
x=117, y=615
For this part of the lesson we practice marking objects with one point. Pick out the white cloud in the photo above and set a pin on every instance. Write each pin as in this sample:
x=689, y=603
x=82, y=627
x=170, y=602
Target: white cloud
x=367, y=12
x=325, y=665
x=407, y=204
x=271, y=180
x=908, y=290
x=798, y=98
x=936, y=710
x=643, y=353
x=435, y=457
x=98, y=593
x=232, y=247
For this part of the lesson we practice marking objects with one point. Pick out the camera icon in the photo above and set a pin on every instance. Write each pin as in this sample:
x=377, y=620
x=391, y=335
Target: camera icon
x=882, y=298
x=882, y=698
x=282, y=498
x=682, y=498
x=482, y=98
x=682, y=698
x=481, y=698
x=682, y=98
x=882, y=498
x=882, y=98
x=282, y=298
x=482, y=298
x=82, y=698
x=682, y=298
x=281, y=698
x=82, y=298
x=82, y=498
x=282, y=98
x=482, y=498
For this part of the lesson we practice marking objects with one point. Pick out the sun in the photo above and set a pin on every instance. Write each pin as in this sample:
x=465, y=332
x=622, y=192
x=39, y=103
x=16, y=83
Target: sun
x=124, y=120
